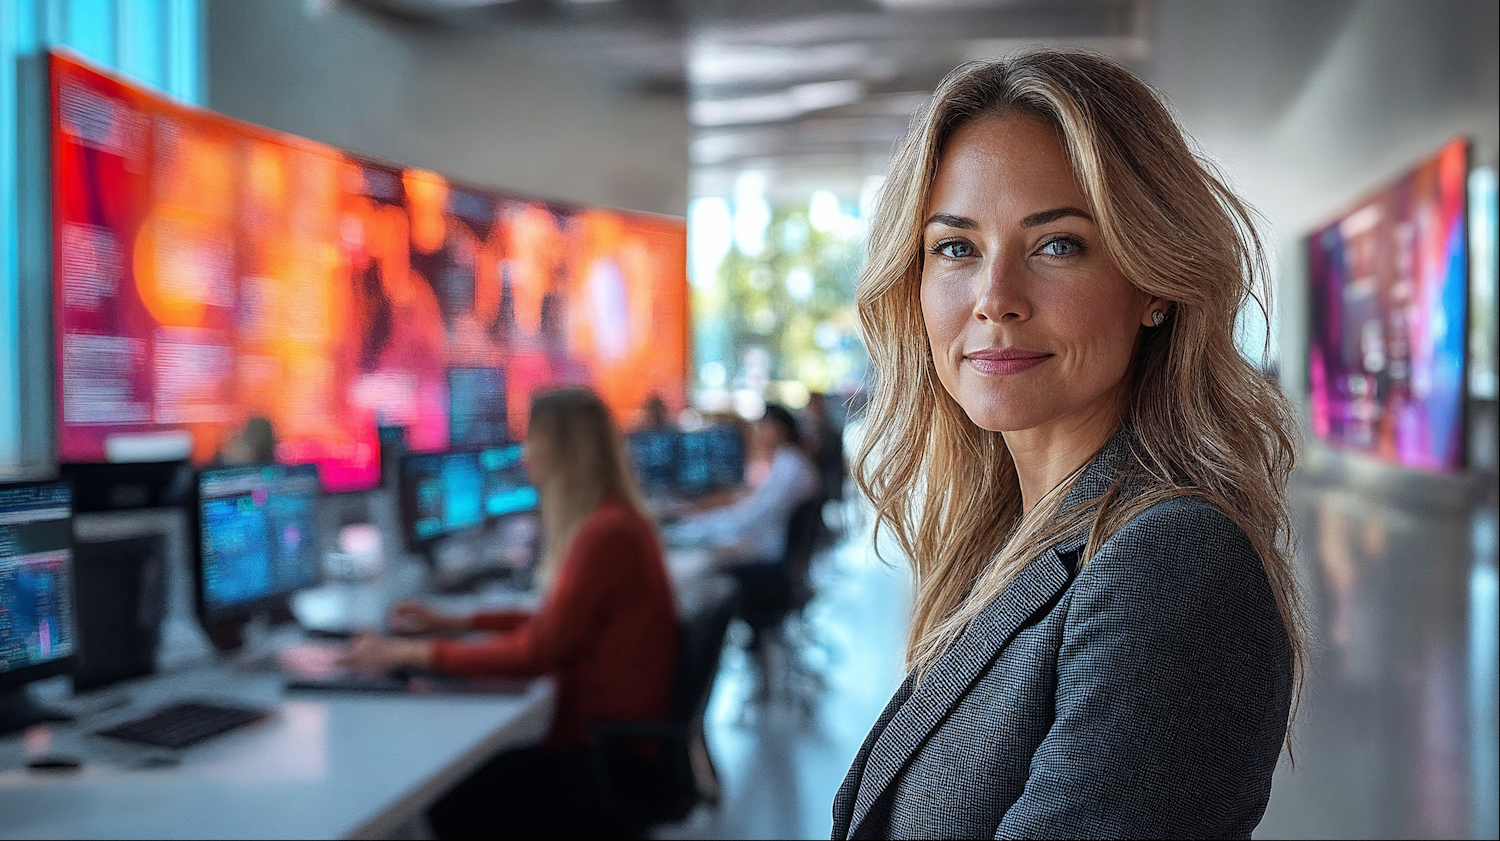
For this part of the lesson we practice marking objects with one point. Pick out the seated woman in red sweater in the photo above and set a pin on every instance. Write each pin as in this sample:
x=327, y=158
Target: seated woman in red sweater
x=606, y=631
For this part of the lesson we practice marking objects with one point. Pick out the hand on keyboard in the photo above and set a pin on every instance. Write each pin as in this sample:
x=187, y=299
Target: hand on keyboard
x=382, y=654
x=312, y=661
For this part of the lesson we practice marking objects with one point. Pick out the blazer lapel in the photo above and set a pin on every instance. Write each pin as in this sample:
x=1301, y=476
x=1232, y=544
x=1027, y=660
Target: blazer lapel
x=843, y=802
x=1034, y=588
x=916, y=710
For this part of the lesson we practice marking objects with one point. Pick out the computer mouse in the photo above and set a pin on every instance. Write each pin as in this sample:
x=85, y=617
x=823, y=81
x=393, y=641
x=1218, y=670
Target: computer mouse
x=54, y=763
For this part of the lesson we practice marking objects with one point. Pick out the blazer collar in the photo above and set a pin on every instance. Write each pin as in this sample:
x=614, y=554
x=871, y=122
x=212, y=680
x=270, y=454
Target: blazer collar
x=1095, y=480
x=1037, y=586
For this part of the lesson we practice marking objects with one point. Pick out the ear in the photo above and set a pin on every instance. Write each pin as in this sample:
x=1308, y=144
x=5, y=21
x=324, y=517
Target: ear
x=1155, y=305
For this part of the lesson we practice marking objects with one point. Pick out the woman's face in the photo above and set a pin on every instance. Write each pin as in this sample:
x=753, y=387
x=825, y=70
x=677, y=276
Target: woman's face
x=1029, y=321
x=767, y=436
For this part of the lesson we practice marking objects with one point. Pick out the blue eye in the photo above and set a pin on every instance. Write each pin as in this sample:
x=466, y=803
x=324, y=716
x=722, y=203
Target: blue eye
x=1061, y=247
x=954, y=249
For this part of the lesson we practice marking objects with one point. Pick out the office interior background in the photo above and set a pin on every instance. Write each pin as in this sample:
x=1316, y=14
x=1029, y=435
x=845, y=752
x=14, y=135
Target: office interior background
x=692, y=182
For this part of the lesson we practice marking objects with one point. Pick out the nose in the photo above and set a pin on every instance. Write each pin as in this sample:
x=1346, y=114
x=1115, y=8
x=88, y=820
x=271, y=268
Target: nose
x=1002, y=294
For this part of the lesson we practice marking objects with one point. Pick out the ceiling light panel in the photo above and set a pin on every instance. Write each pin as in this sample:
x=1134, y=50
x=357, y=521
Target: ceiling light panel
x=776, y=107
x=712, y=63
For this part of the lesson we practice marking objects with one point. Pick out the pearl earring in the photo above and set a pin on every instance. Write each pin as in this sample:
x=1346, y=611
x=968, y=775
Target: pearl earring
x=1158, y=317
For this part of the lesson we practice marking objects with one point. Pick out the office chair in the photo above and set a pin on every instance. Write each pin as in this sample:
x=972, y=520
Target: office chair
x=688, y=776
x=769, y=593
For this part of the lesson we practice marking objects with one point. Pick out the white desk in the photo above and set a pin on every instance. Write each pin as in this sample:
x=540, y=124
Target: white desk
x=325, y=766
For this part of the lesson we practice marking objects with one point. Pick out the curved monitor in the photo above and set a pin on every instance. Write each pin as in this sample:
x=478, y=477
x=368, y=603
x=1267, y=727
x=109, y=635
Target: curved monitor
x=215, y=280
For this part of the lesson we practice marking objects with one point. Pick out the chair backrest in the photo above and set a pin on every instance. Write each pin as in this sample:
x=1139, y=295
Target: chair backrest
x=700, y=640
x=802, y=540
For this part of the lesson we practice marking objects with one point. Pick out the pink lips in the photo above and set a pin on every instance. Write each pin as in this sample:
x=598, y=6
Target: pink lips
x=1001, y=361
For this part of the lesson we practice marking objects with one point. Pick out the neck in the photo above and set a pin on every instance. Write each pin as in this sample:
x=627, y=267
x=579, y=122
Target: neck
x=1046, y=455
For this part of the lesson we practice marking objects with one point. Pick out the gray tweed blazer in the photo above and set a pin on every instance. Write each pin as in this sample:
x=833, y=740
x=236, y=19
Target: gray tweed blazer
x=1143, y=697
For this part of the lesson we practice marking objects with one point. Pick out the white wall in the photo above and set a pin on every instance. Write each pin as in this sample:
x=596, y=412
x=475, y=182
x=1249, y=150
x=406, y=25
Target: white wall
x=1310, y=104
x=539, y=118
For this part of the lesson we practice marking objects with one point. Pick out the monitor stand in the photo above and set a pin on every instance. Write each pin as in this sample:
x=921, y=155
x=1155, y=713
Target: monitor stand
x=18, y=711
x=231, y=635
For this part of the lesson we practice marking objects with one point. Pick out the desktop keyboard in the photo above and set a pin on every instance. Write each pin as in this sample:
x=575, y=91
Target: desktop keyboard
x=180, y=725
x=409, y=682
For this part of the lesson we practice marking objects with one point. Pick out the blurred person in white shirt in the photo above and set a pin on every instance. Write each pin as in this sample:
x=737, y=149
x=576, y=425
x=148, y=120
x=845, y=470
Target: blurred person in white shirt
x=753, y=529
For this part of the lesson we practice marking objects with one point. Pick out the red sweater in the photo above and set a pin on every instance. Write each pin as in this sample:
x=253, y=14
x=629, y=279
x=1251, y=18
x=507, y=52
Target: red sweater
x=607, y=631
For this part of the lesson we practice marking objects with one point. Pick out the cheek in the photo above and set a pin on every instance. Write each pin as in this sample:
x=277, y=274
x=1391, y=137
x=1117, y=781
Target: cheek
x=1100, y=328
x=944, y=311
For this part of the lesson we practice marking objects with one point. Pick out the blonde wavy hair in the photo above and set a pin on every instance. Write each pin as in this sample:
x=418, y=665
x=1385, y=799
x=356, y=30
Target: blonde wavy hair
x=589, y=466
x=1203, y=422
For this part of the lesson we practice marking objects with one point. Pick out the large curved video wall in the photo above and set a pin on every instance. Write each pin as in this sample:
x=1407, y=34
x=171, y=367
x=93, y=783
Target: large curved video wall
x=208, y=272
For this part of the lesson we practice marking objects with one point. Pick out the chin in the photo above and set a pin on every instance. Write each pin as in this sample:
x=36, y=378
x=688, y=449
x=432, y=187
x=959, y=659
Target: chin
x=1002, y=416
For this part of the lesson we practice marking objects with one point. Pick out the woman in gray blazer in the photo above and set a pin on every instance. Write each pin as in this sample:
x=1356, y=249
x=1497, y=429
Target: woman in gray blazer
x=1087, y=476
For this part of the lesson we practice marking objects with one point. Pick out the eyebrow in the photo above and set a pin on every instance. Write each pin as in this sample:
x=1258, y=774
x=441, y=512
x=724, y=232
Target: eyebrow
x=1053, y=215
x=951, y=221
x=1031, y=221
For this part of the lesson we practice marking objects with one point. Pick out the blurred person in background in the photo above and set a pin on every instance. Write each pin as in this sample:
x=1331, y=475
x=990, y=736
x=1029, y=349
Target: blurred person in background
x=655, y=417
x=752, y=530
x=606, y=631
x=749, y=536
x=825, y=445
x=255, y=443
x=1085, y=473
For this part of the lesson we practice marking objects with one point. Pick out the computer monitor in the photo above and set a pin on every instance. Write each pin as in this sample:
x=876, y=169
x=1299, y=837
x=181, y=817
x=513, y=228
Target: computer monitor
x=441, y=494
x=726, y=455
x=476, y=407
x=695, y=463
x=708, y=460
x=128, y=485
x=37, y=632
x=257, y=537
x=121, y=594
x=507, y=489
x=653, y=455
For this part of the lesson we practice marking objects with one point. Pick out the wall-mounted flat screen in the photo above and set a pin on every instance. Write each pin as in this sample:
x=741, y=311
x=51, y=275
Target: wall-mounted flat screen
x=209, y=272
x=1388, y=301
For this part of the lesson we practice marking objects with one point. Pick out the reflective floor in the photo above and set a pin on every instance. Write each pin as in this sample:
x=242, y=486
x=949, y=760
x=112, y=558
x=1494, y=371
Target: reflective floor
x=780, y=760
x=1396, y=736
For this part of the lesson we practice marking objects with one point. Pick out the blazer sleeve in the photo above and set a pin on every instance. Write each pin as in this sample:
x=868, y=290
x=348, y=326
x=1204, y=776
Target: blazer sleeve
x=1173, y=686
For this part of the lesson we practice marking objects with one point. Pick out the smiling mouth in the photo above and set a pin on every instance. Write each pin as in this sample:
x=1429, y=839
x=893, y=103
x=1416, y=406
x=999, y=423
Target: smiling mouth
x=1001, y=362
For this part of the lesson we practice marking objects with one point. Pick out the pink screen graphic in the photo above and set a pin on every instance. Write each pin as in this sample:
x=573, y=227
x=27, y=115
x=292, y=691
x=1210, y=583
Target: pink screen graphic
x=208, y=272
x=1388, y=305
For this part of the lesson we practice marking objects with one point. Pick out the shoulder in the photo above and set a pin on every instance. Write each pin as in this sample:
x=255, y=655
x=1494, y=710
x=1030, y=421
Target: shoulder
x=792, y=464
x=790, y=456
x=1182, y=535
x=1180, y=583
x=1184, y=552
x=613, y=525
